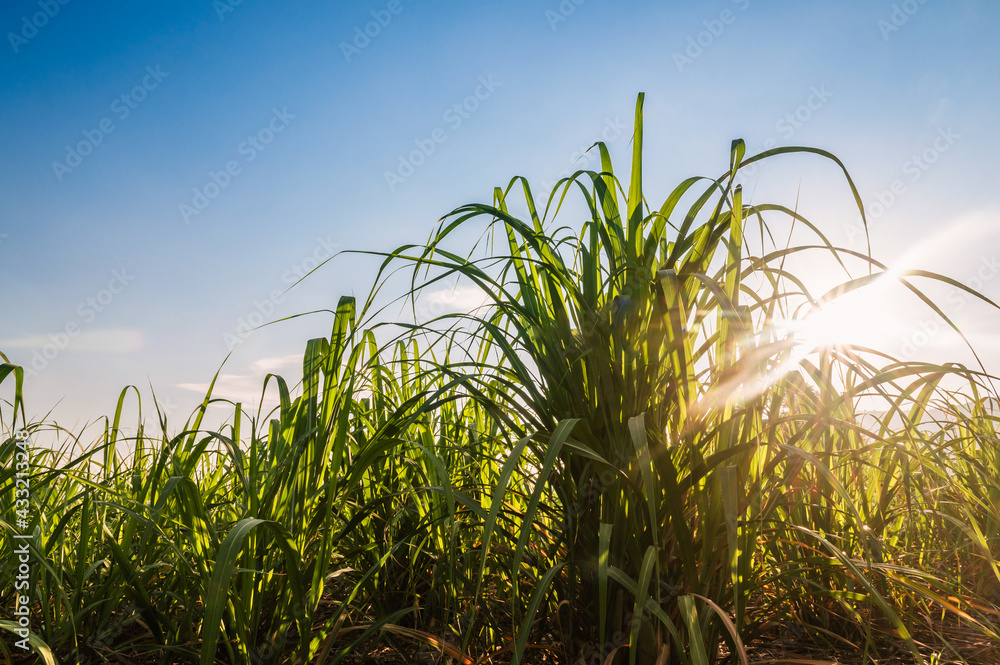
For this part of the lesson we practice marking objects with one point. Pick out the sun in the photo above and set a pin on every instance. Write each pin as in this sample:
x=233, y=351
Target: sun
x=859, y=318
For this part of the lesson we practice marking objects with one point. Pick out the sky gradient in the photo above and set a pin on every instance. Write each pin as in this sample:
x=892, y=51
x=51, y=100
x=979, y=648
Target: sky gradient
x=170, y=170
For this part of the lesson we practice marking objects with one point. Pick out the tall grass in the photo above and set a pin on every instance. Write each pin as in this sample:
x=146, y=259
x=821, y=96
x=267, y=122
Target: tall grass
x=620, y=457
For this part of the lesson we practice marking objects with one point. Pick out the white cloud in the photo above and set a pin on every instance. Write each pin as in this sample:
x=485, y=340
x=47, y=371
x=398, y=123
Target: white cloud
x=104, y=340
x=275, y=363
x=246, y=388
x=450, y=300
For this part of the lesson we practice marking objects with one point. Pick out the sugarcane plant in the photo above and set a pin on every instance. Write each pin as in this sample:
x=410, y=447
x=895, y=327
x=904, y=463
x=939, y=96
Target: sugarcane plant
x=679, y=439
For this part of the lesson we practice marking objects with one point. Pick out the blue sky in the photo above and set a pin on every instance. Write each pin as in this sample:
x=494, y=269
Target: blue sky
x=169, y=169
